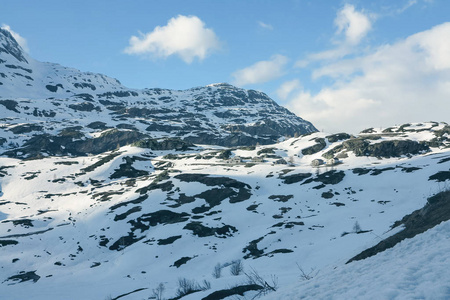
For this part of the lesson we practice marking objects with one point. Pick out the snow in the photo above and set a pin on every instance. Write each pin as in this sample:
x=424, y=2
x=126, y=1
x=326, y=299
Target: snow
x=416, y=268
x=74, y=217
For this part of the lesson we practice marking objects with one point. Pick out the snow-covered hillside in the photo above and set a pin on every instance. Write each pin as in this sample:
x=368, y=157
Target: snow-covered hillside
x=120, y=222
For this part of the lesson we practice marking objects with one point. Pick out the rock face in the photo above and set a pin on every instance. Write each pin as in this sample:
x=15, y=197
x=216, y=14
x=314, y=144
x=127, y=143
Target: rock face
x=48, y=98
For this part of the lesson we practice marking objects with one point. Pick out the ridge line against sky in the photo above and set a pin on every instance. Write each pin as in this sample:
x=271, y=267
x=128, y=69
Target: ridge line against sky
x=343, y=65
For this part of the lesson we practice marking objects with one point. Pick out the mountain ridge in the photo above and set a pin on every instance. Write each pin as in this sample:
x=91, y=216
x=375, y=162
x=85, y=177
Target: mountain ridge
x=47, y=96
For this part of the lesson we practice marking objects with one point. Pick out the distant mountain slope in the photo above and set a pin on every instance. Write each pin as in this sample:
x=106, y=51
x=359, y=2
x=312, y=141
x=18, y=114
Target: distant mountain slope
x=45, y=99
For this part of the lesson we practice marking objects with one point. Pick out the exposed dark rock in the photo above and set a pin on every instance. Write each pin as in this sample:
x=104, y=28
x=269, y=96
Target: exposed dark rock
x=237, y=290
x=54, y=88
x=252, y=207
x=159, y=217
x=26, y=128
x=271, y=253
x=72, y=132
x=125, y=241
x=338, y=137
x=395, y=148
x=126, y=126
x=101, y=162
x=19, y=68
x=85, y=106
x=111, y=103
x=4, y=243
x=321, y=144
x=27, y=223
x=85, y=96
x=224, y=154
x=330, y=177
x=440, y=176
x=106, y=196
x=81, y=85
x=57, y=145
x=164, y=144
x=200, y=230
x=227, y=189
x=10, y=104
x=266, y=151
x=103, y=241
x=182, y=261
x=327, y=195
x=379, y=171
x=169, y=240
x=294, y=178
x=43, y=113
x=127, y=170
x=182, y=199
x=293, y=223
x=127, y=213
x=129, y=293
x=164, y=186
x=135, y=201
x=444, y=160
x=281, y=198
x=361, y=171
x=97, y=125
x=119, y=94
x=24, y=276
x=252, y=249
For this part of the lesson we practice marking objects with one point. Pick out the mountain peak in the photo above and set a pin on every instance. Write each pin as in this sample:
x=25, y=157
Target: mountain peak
x=221, y=85
x=9, y=45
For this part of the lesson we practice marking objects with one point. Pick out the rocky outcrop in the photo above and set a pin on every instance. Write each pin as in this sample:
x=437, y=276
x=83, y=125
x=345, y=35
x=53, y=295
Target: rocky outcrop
x=362, y=146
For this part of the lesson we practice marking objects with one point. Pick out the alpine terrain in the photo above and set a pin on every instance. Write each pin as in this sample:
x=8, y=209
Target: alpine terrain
x=214, y=192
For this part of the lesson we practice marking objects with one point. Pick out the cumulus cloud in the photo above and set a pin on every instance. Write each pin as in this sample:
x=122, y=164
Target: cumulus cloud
x=265, y=25
x=261, y=71
x=20, y=40
x=287, y=88
x=408, y=81
x=185, y=36
x=355, y=25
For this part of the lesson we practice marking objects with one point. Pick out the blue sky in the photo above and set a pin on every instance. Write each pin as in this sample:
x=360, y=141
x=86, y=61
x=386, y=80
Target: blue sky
x=344, y=65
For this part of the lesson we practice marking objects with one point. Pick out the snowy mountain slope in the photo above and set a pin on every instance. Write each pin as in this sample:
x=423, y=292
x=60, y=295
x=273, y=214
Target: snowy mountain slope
x=415, y=269
x=125, y=221
x=50, y=101
x=22, y=76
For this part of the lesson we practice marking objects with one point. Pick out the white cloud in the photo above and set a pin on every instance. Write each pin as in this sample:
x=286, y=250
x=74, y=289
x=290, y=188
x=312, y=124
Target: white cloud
x=265, y=25
x=406, y=6
x=261, y=71
x=20, y=40
x=355, y=25
x=408, y=81
x=287, y=88
x=185, y=36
